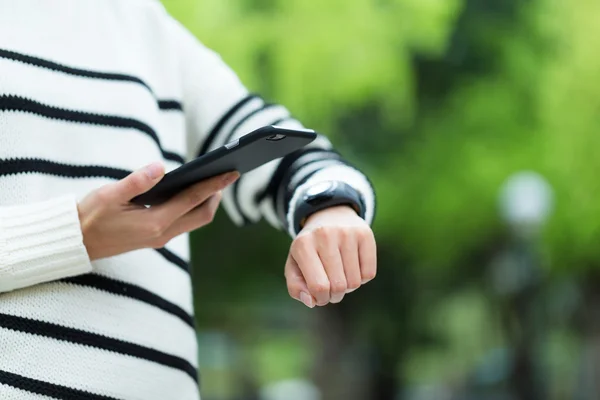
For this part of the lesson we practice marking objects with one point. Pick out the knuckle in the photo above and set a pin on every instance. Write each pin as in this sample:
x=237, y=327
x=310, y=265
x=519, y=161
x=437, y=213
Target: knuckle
x=370, y=274
x=210, y=214
x=326, y=235
x=293, y=290
x=216, y=184
x=322, y=303
x=195, y=196
x=136, y=182
x=218, y=197
x=206, y=216
x=353, y=284
x=324, y=232
x=338, y=286
x=319, y=288
x=364, y=234
x=289, y=274
x=344, y=234
x=301, y=244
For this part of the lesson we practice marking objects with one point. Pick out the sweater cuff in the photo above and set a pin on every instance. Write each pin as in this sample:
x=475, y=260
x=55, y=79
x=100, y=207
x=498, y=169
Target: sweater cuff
x=40, y=243
x=342, y=173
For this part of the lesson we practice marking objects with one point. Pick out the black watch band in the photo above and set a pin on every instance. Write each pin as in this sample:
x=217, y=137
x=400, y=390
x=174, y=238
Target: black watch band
x=324, y=195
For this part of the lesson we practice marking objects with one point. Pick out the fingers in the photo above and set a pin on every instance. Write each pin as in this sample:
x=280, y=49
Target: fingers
x=112, y=225
x=367, y=250
x=329, y=252
x=137, y=182
x=185, y=212
x=197, y=218
x=297, y=287
x=304, y=252
x=351, y=261
x=191, y=198
x=331, y=261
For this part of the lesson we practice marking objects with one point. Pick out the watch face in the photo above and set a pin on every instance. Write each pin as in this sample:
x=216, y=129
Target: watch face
x=319, y=188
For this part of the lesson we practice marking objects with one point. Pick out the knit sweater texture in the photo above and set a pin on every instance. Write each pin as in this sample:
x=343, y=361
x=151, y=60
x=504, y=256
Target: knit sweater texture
x=90, y=91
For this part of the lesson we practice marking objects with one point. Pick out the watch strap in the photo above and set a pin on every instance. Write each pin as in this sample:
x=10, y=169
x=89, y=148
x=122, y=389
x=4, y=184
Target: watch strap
x=321, y=196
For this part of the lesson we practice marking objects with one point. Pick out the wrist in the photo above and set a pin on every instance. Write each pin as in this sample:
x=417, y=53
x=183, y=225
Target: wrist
x=323, y=196
x=84, y=225
x=334, y=211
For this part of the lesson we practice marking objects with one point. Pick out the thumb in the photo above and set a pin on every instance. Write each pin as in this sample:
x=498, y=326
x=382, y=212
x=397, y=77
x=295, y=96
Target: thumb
x=140, y=181
x=296, y=284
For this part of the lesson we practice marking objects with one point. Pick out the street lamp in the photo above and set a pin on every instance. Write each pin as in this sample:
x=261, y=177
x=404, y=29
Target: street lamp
x=526, y=201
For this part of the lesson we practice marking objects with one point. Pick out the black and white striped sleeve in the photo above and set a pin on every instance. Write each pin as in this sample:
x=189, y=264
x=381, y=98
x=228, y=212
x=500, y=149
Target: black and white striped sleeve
x=220, y=109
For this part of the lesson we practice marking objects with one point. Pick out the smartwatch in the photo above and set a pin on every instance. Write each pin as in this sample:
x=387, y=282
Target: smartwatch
x=324, y=195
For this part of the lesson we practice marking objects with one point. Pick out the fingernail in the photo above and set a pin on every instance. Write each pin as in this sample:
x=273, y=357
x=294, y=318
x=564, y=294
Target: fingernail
x=351, y=290
x=365, y=281
x=154, y=170
x=230, y=178
x=306, y=299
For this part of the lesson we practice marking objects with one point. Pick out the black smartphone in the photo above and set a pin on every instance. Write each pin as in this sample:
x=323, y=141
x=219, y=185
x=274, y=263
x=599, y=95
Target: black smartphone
x=244, y=154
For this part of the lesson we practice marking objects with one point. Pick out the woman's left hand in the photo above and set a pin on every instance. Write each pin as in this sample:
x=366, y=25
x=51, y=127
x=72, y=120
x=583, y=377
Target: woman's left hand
x=334, y=254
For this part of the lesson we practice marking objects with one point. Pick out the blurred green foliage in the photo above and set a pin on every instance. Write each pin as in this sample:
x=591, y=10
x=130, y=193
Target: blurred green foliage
x=529, y=103
x=440, y=101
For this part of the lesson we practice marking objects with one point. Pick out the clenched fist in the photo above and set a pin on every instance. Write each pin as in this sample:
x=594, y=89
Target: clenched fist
x=334, y=254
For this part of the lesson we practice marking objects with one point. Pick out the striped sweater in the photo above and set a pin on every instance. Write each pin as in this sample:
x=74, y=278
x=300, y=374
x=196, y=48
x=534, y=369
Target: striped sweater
x=89, y=91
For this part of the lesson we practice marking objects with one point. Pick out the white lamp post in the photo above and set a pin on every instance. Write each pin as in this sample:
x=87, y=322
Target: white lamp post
x=526, y=201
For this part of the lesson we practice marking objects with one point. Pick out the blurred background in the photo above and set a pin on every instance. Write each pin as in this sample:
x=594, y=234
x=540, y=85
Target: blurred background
x=477, y=121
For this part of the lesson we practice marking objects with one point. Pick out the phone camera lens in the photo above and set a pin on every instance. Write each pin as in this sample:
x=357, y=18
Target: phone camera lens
x=276, y=137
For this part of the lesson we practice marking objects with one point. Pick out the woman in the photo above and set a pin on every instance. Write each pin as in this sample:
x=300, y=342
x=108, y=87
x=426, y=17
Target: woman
x=96, y=299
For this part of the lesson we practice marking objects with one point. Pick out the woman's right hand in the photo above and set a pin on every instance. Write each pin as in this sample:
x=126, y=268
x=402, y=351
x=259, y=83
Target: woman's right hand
x=112, y=225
